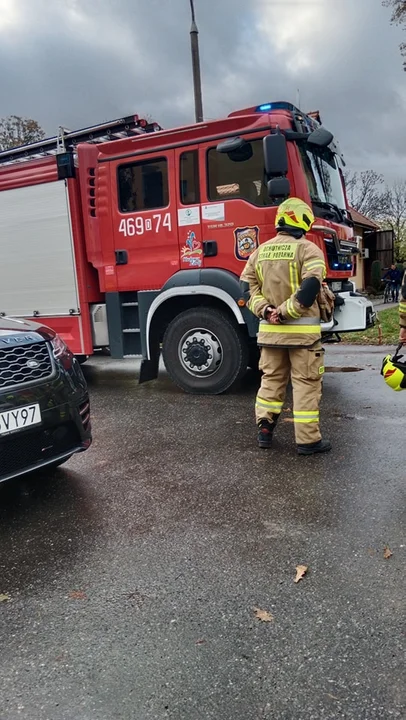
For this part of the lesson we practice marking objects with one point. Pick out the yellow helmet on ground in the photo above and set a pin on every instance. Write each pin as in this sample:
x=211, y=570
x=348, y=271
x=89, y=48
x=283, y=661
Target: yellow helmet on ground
x=294, y=213
x=394, y=371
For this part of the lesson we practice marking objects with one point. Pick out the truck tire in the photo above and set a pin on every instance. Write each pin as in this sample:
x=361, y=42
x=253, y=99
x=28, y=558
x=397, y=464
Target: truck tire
x=204, y=352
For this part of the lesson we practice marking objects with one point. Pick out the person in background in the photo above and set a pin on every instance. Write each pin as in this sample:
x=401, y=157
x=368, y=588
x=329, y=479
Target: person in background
x=394, y=277
x=402, y=312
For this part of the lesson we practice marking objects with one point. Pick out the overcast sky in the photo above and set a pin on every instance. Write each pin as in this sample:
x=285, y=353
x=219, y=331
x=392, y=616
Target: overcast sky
x=78, y=62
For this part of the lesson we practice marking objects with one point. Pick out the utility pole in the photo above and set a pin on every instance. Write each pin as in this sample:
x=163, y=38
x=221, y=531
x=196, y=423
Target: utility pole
x=197, y=82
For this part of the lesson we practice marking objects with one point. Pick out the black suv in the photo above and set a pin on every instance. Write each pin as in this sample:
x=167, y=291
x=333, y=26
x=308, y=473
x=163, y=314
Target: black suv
x=44, y=404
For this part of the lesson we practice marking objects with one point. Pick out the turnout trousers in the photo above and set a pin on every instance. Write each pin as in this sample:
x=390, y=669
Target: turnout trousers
x=305, y=367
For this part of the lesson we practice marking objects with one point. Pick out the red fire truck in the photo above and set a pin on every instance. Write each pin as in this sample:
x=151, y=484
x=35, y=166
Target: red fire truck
x=129, y=237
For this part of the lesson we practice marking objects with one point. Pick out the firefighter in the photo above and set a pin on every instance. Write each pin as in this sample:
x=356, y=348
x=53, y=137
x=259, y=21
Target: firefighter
x=285, y=277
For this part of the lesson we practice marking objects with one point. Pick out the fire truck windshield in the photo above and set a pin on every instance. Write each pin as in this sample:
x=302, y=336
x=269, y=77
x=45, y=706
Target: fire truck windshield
x=323, y=176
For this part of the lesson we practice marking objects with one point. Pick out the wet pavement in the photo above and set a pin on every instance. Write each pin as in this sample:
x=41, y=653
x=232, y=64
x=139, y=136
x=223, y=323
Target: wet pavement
x=133, y=573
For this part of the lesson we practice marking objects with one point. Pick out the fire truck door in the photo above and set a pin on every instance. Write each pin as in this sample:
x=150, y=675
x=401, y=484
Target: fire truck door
x=236, y=211
x=145, y=233
x=189, y=213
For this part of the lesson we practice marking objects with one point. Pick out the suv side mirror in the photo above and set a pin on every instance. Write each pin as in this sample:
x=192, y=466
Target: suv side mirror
x=275, y=155
x=279, y=188
x=320, y=137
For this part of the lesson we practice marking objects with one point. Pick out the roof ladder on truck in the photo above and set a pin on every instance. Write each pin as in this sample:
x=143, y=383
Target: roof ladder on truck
x=66, y=140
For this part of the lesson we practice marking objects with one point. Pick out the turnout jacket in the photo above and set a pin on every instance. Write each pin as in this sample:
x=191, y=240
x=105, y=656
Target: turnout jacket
x=402, y=304
x=275, y=272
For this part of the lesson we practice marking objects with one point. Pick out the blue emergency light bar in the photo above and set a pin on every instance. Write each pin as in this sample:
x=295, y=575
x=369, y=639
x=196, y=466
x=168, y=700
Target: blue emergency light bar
x=266, y=107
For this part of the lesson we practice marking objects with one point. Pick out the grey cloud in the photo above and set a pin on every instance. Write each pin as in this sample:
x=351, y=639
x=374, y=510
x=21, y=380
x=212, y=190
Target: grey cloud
x=121, y=56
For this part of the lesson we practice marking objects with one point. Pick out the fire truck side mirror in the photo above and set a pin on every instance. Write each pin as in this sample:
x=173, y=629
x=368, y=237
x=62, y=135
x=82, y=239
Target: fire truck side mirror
x=237, y=149
x=275, y=156
x=233, y=143
x=320, y=137
x=279, y=188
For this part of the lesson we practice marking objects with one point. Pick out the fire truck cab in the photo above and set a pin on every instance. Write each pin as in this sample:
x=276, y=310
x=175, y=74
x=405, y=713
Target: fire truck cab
x=131, y=237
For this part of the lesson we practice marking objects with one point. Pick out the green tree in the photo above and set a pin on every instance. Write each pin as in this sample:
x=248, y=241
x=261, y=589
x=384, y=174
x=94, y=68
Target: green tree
x=15, y=131
x=398, y=8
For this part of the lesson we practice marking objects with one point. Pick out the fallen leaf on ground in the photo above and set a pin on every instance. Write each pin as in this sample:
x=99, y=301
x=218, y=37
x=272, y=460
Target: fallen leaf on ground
x=77, y=595
x=301, y=571
x=200, y=642
x=387, y=552
x=4, y=597
x=263, y=615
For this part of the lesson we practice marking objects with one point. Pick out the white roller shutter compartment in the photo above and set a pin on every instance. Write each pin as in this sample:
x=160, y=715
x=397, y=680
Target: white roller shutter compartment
x=37, y=267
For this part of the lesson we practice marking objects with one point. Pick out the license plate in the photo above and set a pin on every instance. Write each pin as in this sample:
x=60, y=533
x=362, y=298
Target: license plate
x=19, y=419
x=336, y=286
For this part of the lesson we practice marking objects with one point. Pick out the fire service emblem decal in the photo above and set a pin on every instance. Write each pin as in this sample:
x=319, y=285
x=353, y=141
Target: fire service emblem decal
x=246, y=241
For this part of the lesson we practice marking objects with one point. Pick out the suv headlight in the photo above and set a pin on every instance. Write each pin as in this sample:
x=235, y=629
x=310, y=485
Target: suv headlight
x=59, y=347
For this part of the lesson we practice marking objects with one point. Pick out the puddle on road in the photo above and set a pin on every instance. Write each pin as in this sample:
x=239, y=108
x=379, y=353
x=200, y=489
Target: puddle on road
x=334, y=369
x=340, y=416
x=370, y=418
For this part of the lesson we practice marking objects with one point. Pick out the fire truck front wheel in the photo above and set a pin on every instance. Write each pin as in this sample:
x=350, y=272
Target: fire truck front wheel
x=204, y=351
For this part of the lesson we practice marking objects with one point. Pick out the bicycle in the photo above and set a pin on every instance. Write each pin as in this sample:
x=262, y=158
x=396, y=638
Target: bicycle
x=387, y=292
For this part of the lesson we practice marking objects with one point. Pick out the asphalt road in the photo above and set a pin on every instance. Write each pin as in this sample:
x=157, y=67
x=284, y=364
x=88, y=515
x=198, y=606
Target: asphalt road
x=133, y=574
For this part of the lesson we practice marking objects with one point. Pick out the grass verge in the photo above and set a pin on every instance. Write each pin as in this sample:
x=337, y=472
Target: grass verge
x=388, y=321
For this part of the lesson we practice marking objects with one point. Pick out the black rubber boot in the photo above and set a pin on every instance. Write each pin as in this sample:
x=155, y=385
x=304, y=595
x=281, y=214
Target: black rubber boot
x=265, y=433
x=321, y=446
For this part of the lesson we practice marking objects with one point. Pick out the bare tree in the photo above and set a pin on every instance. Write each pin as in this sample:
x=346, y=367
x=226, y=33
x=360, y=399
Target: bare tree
x=384, y=204
x=394, y=215
x=398, y=8
x=364, y=192
x=15, y=131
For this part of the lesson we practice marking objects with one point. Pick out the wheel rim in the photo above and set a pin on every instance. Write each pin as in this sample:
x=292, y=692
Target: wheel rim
x=200, y=352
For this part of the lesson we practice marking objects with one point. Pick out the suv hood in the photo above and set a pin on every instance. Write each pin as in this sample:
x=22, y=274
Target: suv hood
x=23, y=331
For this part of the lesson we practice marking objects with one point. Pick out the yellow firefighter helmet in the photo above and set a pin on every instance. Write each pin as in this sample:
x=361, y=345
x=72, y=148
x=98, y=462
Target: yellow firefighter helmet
x=394, y=371
x=294, y=213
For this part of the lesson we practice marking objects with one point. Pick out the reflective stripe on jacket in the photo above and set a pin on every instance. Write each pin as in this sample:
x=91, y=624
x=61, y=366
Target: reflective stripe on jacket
x=274, y=273
x=402, y=304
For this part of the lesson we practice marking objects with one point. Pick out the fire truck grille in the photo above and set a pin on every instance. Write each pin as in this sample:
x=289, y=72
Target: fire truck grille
x=24, y=364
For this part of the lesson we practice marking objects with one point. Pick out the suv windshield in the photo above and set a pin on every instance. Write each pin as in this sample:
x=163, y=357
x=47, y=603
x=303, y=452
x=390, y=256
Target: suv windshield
x=323, y=176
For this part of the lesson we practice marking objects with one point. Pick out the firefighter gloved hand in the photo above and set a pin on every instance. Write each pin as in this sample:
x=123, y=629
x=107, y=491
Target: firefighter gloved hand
x=272, y=316
x=268, y=311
